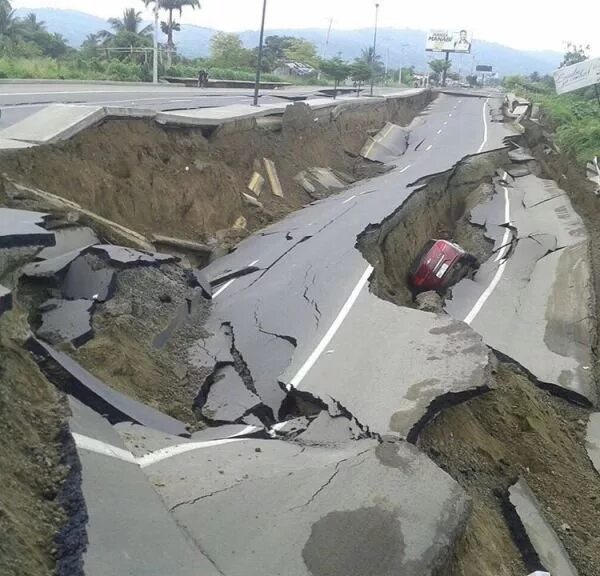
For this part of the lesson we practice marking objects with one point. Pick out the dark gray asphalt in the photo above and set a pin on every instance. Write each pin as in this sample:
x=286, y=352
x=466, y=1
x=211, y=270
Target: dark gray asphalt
x=309, y=265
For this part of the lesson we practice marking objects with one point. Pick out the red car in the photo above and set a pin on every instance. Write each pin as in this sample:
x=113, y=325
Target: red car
x=440, y=264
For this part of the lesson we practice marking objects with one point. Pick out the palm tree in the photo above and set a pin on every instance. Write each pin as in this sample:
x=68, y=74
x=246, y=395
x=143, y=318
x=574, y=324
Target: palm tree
x=9, y=24
x=33, y=24
x=130, y=22
x=171, y=25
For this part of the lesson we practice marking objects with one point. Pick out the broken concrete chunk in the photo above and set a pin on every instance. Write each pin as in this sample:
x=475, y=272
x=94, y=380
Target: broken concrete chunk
x=69, y=240
x=70, y=377
x=430, y=302
x=20, y=228
x=196, y=278
x=51, y=267
x=291, y=427
x=303, y=180
x=359, y=509
x=66, y=321
x=228, y=399
x=5, y=300
x=256, y=183
x=121, y=255
x=325, y=430
x=230, y=431
x=517, y=171
x=273, y=177
x=252, y=201
x=592, y=440
x=184, y=245
x=520, y=155
x=388, y=144
x=83, y=281
x=326, y=178
x=544, y=540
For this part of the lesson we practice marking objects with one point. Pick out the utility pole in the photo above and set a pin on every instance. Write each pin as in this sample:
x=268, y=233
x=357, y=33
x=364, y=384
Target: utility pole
x=260, y=52
x=445, y=69
x=374, y=48
x=155, y=59
x=326, y=47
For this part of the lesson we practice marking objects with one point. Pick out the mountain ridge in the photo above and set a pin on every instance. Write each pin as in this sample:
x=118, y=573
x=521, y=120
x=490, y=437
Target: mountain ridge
x=396, y=46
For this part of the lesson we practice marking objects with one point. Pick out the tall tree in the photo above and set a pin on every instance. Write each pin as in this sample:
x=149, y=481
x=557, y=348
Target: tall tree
x=130, y=22
x=336, y=69
x=575, y=54
x=170, y=26
x=31, y=23
x=227, y=51
x=9, y=24
x=302, y=51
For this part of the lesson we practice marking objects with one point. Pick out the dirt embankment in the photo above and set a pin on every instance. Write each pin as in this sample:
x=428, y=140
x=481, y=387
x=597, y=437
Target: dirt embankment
x=31, y=458
x=517, y=430
x=438, y=209
x=188, y=183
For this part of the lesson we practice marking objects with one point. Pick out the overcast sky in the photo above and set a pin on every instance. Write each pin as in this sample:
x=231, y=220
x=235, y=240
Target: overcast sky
x=528, y=24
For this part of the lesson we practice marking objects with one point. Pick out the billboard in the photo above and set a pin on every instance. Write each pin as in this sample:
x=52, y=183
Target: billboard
x=483, y=68
x=449, y=41
x=577, y=76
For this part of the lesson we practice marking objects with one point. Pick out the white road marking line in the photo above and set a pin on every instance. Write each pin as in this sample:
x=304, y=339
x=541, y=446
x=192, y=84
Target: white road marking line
x=230, y=282
x=105, y=449
x=348, y=199
x=445, y=122
x=93, y=445
x=439, y=131
x=405, y=168
x=429, y=148
x=485, y=127
x=450, y=114
x=297, y=379
x=497, y=277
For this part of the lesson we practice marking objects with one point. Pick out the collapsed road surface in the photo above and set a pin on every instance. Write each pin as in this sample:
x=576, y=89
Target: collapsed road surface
x=315, y=388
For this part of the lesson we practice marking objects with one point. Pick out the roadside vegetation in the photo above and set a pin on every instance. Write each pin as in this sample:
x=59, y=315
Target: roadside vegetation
x=123, y=51
x=575, y=117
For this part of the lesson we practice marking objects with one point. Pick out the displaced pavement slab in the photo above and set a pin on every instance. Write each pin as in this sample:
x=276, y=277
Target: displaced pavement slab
x=419, y=359
x=549, y=548
x=53, y=123
x=20, y=228
x=520, y=155
x=125, y=257
x=66, y=321
x=387, y=145
x=197, y=278
x=68, y=240
x=592, y=440
x=129, y=530
x=51, y=267
x=143, y=441
x=259, y=507
x=84, y=281
x=228, y=399
x=8, y=144
x=539, y=309
x=5, y=299
x=73, y=379
x=326, y=430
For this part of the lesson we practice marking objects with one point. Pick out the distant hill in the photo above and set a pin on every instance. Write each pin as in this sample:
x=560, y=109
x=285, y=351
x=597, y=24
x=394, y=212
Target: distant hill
x=194, y=41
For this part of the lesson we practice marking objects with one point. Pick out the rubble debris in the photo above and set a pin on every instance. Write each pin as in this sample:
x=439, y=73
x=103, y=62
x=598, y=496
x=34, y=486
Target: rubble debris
x=83, y=281
x=122, y=256
x=326, y=178
x=429, y=302
x=225, y=398
x=73, y=379
x=550, y=551
x=234, y=274
x=68, y=240
x=66, y=321
x=256, y=183
x=19, y=228
x=5, y=300
x=262, y=504
x=388, y=144
x=252, y=201
x=303, y=180
x=517, y=171
x=592, y=440
x=276, y=188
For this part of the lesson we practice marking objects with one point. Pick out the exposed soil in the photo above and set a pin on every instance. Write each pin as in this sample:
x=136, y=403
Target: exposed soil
x=518, y=430
x=439, y=209
x=31, y=474
x=187, y=183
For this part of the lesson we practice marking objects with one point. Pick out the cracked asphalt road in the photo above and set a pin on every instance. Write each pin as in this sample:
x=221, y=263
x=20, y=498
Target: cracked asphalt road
x=286, y=316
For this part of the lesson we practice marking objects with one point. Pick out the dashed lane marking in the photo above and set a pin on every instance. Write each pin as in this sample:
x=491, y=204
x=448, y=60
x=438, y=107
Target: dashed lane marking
x=230, y=282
